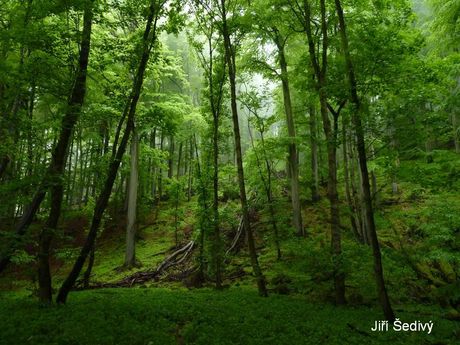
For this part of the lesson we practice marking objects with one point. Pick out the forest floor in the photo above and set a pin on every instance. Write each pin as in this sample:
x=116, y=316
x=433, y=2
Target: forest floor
x=205, y=316
x=418, y=231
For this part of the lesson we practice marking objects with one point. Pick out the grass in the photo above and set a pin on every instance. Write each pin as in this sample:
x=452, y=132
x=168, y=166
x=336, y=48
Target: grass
x=235, y=316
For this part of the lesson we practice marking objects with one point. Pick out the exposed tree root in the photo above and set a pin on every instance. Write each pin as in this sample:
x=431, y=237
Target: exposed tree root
x=237, y=237
x=176, y=258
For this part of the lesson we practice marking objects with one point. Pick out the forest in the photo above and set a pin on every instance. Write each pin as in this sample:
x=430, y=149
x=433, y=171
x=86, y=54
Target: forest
x=229, y=172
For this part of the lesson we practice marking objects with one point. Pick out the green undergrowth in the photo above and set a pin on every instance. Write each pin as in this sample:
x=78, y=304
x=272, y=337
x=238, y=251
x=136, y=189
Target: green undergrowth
x=419, y=232
x=234, y=316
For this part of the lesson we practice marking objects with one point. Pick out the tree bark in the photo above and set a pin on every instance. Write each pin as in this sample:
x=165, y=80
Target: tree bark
x=89, y=269
x=179, y=161
x=351, y=202
x=130, y=254
x=171, y=157
x=190, y=172
x=315, y=196
x=160, y=170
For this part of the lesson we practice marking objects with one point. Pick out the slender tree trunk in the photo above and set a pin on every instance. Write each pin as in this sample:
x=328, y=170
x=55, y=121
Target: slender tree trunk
x=186, y=158
x=230, y=57
x=129, y=112
x=130, y=256
x=356, y=193
x=204, y=205
x=30, y=113
x=378, y=269
x=215, y=203
x=160, y=172
x=69, y=194
x=331, y=138
x=179, y=161
x=395, y=165
x=375, y=191
x=171, y=157
x=80, y=175
x=346, y=173
x=215, y=100
x=315, y=196
x=292, y=147
x=89, y=269
x=154, y=170
x=190, y=172
x=75, y=169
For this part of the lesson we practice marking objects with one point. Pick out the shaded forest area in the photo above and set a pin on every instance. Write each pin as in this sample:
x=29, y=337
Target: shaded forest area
x=229, y=171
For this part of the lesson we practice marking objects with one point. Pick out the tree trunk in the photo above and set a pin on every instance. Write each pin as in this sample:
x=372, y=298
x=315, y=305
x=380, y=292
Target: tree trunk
x=215, y=202
x=230, y=57
x=130, y=256
x=315, y=196
x=160, y=172
x=89, y=269
x=153, y=185
x=292, y=147
x=331, y=138
x=179, y=160
x=356, y=193
x=171, y=157
x=203, y=200
x=130, y=110
x=190, y=172
x=378, y=269
x=346, y=173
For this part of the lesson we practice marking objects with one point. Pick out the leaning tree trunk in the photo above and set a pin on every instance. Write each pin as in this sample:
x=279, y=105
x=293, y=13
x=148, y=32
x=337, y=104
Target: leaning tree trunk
x=378, y=269
x=230, y=57
x=130, y=256
x=149, y=38
x=53, y=177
